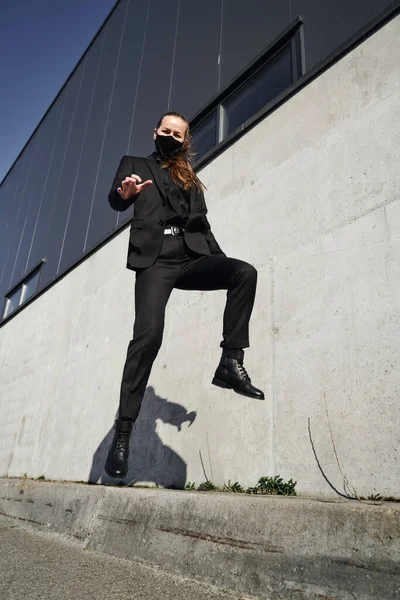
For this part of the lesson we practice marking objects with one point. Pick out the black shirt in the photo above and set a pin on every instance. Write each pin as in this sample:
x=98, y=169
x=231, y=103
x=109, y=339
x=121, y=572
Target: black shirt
x=177, y=212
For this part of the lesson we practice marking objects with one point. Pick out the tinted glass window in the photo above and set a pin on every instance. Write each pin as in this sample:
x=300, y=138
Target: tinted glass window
x=263, y=87
x=204, y=136
x=12, y=302
x=30, y=287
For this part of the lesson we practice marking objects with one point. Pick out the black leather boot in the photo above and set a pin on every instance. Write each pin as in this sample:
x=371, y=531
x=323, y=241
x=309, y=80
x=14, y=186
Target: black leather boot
x=117, y=458
x=231, y=374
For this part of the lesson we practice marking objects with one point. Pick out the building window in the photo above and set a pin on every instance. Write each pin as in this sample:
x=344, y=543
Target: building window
x=261, y=88
x=204, y=135
x=12, y=302
x=29, y=287
x=268, y=76
x=22, y=292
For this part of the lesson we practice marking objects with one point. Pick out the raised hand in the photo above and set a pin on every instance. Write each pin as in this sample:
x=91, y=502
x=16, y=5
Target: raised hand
x=131, y=186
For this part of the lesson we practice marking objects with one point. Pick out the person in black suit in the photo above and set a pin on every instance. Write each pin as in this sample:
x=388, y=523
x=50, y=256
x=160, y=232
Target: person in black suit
x=171, y=245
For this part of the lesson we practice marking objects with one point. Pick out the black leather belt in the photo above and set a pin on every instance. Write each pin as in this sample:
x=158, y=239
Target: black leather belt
x=173, y=230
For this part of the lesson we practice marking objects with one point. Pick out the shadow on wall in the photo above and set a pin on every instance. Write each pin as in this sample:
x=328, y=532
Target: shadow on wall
x=150, y=460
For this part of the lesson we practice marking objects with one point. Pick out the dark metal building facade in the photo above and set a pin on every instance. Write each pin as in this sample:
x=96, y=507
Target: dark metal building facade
x=149, y=56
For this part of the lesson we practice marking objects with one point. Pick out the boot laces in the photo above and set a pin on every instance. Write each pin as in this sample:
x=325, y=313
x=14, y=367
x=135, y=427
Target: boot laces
x=242, y=371
x=121, y=443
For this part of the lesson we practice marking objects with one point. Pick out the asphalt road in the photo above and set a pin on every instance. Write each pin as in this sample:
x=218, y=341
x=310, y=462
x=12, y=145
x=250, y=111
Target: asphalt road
x=37, y=566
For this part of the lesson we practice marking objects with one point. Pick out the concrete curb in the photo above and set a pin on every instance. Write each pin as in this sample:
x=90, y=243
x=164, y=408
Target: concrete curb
x=272, y=547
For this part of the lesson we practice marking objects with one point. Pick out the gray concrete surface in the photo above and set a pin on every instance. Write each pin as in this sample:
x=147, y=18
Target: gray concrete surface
x=40, y=567
x=268, y=547
x=311, y=197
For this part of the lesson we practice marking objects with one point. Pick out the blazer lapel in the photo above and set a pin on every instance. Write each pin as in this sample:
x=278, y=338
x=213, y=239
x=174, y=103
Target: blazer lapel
x=155, y=171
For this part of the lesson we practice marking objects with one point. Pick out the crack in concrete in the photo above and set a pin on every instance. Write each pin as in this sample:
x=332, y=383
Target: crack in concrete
x=225, y=541
x=21, y=518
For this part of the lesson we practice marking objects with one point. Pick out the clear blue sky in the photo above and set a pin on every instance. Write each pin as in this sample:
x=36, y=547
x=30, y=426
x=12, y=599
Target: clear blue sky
x=40, y=43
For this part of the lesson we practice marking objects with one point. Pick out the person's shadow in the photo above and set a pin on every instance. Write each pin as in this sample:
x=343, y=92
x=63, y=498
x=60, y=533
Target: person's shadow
x=150, y=460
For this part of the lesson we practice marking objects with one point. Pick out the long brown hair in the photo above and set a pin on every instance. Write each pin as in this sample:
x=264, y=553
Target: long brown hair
x=180, y=167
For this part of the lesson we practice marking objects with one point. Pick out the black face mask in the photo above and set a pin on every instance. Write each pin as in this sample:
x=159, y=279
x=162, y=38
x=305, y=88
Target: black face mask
x=167, y=145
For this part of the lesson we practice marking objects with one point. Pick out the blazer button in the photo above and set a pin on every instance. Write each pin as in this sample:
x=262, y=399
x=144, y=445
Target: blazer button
x=161, y=222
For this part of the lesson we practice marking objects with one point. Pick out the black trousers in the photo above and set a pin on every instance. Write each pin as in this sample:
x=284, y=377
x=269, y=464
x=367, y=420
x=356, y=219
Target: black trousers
x=177, y=267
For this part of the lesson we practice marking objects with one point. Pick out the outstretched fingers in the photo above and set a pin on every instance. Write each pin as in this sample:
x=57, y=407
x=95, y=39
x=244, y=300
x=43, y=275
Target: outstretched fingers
x=143, y=185
x=132, y=185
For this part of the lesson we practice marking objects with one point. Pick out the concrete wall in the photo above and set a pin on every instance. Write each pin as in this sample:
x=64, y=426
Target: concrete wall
x=310, y=197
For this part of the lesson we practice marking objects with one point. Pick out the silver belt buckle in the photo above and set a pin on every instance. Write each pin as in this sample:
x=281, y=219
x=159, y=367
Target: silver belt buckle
x=174, y=230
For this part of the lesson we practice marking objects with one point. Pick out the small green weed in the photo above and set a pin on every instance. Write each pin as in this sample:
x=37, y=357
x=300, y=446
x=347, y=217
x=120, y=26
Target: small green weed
x=207, y=486
x=266, y=485
x=375, y=497
x=233, y=487
x=274, y=486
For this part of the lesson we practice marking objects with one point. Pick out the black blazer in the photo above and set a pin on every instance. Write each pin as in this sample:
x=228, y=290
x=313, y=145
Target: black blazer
x=148, y=223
